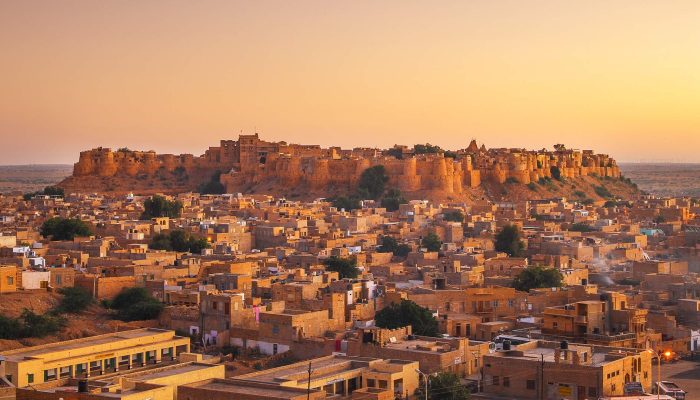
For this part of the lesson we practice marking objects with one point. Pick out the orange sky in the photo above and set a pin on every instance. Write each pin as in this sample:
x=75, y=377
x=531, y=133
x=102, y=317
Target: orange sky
x=621, y=77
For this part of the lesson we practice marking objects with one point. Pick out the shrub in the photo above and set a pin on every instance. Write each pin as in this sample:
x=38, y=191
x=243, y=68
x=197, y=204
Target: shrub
x=454, y=216
x=602, y=191
x=158, y=206
x=64, y=228
x=508, y=241
x=407, y=313
x=214, y=185
x=532, y=186
x=373, y=181
x=179, y=240
x=537, y=277
x=345, y=267
x=555, y=172
x=136, y=304
x=392, y=200
x=347, y=203
x=75, y=300
x=431, y=242
x=581, y=227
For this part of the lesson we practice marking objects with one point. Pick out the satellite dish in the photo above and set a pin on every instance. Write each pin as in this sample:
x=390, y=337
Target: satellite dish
x=492, y=347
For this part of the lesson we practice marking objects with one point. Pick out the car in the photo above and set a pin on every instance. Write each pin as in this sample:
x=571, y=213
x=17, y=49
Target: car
x=670, y=389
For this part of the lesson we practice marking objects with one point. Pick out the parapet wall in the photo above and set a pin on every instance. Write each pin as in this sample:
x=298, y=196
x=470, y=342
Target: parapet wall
x=250, y=161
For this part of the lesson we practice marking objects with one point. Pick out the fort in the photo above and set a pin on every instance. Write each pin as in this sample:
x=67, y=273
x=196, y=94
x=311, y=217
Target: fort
x=249, y=163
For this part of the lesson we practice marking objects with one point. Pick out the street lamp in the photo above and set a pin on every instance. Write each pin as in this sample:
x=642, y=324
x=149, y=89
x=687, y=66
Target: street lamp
x=658, y=364
x=425, y=379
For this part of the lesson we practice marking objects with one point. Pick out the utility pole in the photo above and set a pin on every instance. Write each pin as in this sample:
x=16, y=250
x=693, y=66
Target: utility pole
x=308, y=385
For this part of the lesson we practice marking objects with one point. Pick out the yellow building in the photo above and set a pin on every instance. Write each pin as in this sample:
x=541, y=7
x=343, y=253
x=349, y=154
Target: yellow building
x=342, y=375
x=91, y=356
x=8, y=278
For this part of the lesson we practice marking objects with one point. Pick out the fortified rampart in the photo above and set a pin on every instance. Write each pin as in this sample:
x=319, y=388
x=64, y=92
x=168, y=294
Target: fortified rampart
x=249, y=161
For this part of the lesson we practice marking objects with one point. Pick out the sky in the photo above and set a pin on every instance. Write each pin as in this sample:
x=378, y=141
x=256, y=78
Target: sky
x=619, y=77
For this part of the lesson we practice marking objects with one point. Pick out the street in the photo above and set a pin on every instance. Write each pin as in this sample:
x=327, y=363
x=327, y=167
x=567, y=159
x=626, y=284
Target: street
x=685, y=374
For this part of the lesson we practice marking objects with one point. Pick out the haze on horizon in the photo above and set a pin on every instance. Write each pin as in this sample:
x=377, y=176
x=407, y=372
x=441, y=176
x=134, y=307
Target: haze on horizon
x=621, y=77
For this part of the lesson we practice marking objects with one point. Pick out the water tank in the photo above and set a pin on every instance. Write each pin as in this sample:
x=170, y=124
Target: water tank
x=83, y=386
x=506, y=345
x=564, y=345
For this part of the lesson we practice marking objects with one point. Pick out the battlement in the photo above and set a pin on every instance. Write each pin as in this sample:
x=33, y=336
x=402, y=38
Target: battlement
x=251, y=161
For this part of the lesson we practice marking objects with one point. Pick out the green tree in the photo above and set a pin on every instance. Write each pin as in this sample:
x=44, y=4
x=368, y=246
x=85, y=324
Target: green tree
x=345, y=267
x=556, y=172
x=402, y=250
x=373, y=181
x=535, y=277
x=454, y=216
x=35, y=325
x=158, y=206
x=407, y=313
x=75, y=300
x=58, y=228
x=444, y=385
x=392, y=200
x=508, y=241
x=426, y=149
x=54, y=191
x=179, y=240
x=431, y=242
x=389, y=245
x=347, y=203
x=214, y=186
x=395, y=152
x=581, y=227
x=10, y=328
x=136, y=304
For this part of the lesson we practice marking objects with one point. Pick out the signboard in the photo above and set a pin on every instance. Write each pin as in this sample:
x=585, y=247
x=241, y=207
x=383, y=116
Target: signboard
x=564, y=390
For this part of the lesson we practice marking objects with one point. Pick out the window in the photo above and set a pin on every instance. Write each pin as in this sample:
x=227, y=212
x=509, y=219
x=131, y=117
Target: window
x=495, y=304
x=506, y=381
x=592, y=392
x=59, y=279
x=530, y=384
x=275, y=328
x=10, y=280
x=511, y=303
x=555, y=325
x=495, y=381
x=383, y=384
x=30, y=378
x=370, y=382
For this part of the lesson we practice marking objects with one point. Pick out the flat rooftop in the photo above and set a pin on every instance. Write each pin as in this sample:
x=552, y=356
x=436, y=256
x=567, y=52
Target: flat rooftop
x=235, y=386
x=86, y=344
x=598, y=358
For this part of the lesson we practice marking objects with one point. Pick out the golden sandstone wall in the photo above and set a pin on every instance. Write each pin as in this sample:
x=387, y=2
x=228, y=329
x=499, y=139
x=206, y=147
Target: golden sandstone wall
x=250, y=161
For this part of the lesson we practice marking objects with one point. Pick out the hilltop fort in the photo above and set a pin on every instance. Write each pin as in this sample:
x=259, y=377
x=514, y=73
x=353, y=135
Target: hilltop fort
x=250, y=164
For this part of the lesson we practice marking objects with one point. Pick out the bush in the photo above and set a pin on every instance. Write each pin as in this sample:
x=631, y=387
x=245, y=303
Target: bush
x=407, y=313
x=454, y=216
x=389, y=245
x=48, y=191
x=347, y=203
x=179, y=240
x=345, y=267
x=508, y=241
x=555, y=172
x=159, y=206
x=10, y=328
x=214, y=185
x=35, y=325
x=393, y=200
x=602, y=191
x=74, y=300
x=426, y=149
x=373, y=181
x=64, y=228
x=581, y=227
x=532, y=186
x=136, y=304
x=431, y=242
x=395, y=152
x=510, y=180
x=444, y=385
x=537, y=277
